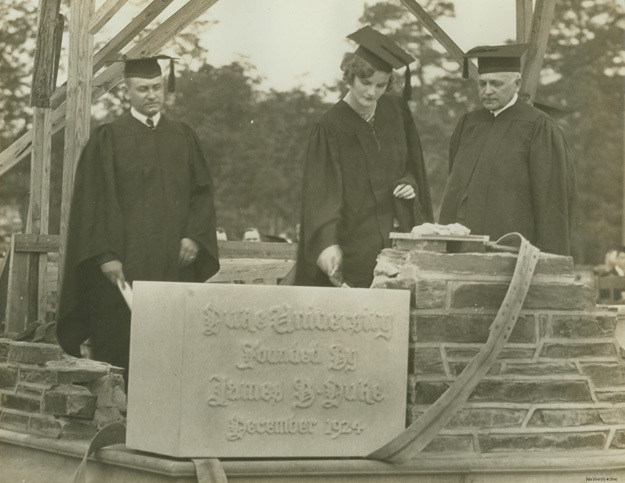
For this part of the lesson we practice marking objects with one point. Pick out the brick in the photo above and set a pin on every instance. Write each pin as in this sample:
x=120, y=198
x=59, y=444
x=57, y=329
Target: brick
x=399, y=283
x=618, y=441
x=578, y=327
x=460, y=328
x=575, y=351
x=447, y=443
x=78, y=430
x=561, y=418
x=610, y=396
x=8, y=376
x=487, y=418
x=74, y=401
x=428, y=360
x=541, y=369
x=490, y=443
x=456, y=368
x=38, y=376
x=426, y=392
x=22, y=403
x=4, y=350
x=71, y=370
x=516, y=353
x=110, y=391
x=540, y=296
x=18, y=422
x=496, y=264
x=430, y=294
x=461, y=352
x=605, y=374
x=531, y=391
x=31, y=389
x=543, y=325
x=34, y=353
x=394, y=257
x=45, y=427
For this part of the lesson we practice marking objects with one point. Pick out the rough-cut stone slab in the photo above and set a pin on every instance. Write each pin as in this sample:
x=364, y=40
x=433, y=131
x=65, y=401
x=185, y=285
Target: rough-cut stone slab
x=448, y=443
x=261, y=371
x=69, y=400
x=531, y=392
x=575, y=351
x=566, y=417
x=578, y=327
x=541, y=368
x=605, y=374
x=487, y=418
x=490, y=443
x=460, y=328
x=540, y=296
x=34, y=353
x=428, y=360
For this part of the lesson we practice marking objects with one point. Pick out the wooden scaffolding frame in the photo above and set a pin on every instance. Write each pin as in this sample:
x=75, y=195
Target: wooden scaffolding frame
x=68, y=106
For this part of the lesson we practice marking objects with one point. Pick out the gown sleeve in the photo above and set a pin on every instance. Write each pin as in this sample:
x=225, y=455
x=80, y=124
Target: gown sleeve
x=201, y=224
x=322, y=196
x=552, y=178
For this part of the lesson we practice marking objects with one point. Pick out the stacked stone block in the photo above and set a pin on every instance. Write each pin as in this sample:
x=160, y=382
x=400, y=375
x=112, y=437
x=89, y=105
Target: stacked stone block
x=46, y=393
x=558, y=384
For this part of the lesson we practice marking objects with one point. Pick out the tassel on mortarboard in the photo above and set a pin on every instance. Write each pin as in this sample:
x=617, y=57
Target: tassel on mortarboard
x=171, y=81
x=407, y=94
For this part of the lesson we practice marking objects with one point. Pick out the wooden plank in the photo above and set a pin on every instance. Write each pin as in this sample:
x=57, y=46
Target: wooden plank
x=4, y=285
x=43, y=73
x=78, y=115
x=523, y=20
x=21, y=306
x=539, y=36
x=251, y=270
x=108, y=79
x=264, y=250
x=103, y=14
x=58, y=46
x=36, y=243
x=41, y=154
x=439, y=34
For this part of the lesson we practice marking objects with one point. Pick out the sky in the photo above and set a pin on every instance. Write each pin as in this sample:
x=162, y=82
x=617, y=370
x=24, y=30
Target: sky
x=300, y=43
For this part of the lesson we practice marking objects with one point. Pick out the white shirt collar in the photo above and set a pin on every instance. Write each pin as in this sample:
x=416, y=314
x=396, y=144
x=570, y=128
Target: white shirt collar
x=142, y=118
x=512, y=101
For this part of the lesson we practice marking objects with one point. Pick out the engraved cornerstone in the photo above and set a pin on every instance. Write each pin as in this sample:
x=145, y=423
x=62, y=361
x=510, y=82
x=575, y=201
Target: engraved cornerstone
x=266, y=371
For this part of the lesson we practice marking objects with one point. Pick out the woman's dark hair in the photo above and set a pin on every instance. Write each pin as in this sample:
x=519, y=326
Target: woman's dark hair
x=355, y=66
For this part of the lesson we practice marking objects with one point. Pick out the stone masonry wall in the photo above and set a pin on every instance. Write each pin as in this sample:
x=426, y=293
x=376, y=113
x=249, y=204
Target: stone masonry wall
x=559, y=383
x=46, y=393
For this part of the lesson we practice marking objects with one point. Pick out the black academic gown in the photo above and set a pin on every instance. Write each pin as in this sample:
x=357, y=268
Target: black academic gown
x=350, y=172
x=137, y=193
x=511, y=173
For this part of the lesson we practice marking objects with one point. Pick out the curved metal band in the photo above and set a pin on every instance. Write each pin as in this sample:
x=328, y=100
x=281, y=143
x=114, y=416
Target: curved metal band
x=419, y=434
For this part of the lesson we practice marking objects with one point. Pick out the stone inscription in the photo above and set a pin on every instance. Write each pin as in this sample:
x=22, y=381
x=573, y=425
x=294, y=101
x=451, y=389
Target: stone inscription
x=285, y=371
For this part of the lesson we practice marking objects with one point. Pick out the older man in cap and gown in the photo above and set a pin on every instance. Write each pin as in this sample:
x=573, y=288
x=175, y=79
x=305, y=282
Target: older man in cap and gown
x=142, y=209
x=510, y=166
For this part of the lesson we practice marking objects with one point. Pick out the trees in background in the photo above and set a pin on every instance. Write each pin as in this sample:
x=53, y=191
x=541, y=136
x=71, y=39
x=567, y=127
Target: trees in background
x=256, y=139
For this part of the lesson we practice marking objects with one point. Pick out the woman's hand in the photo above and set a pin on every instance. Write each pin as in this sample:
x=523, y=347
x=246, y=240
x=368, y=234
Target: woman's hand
x=330, y=259
x=404, y=191
x=113, y=271
x=188, y=252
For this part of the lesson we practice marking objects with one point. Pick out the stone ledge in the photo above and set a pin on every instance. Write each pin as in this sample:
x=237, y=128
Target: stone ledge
x=16, y=447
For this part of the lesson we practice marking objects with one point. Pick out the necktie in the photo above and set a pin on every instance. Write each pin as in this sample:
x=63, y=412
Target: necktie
x=150, y=123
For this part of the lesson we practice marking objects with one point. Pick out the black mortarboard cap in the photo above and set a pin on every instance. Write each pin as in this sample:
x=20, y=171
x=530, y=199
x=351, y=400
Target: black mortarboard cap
x=495, y=58
x=382, y=53
x=149, y=68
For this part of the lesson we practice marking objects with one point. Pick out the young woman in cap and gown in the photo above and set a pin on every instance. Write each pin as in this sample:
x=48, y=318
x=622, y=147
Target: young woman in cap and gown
x=364, y=174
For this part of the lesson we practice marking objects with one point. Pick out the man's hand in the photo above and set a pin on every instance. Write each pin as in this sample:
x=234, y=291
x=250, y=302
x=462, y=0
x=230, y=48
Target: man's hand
x=404, y=191
x=330, y=259
x=188, y=252
x=113, y=271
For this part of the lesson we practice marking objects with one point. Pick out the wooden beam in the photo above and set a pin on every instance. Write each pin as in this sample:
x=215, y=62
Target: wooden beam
x=104, y=14
x=125, y=36
x=265, y=250
x=439, y=34
x=539, y=36
x=78, y=115
x=523, y=20
x=109, y=78
x=36, y=243
x=43, y=73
